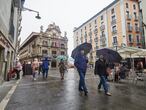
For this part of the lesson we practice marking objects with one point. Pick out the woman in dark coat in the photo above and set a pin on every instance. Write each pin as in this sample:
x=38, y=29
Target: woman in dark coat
x=62, y=69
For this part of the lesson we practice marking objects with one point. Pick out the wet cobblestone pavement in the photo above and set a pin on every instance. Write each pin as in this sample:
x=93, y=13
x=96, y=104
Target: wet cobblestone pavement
x=54, y=94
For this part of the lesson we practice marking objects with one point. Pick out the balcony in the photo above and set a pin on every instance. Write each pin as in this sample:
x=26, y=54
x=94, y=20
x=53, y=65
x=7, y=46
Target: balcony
x=114, y=32
x=85, y=36
x=90, y=41
x=96, y=48
x=95, y=31
x=129, y=17
x=113, y=22
x=131, y=41
x=137, y=29
x=90, y=33
x=130, y=28
x=96, y=39
x=136, y=18
x=102, y=36
x=103, y=43
x=102, y=27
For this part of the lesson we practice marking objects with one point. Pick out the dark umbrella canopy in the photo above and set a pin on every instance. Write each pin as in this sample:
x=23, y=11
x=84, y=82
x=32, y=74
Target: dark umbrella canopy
x=110, y=55
x=85, y=46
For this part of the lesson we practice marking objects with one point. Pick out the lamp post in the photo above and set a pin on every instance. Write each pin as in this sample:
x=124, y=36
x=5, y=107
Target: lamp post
x=27, y=9
x=115, y=44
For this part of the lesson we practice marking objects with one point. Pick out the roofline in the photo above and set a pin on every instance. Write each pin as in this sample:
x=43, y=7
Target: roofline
x=28, y=38
x=114, y=2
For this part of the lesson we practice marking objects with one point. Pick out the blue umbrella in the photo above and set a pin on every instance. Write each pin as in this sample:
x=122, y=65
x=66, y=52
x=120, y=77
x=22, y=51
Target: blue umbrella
x=85, y=46
x=109, y=54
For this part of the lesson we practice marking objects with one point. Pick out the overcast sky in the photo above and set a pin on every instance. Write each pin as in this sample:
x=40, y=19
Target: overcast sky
x=67, y=14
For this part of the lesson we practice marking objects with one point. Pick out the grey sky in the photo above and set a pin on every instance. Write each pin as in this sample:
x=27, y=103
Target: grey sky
x=65, y=13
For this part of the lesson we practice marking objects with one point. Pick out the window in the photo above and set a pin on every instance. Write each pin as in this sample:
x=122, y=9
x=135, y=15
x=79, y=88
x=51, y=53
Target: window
x=54, y=52
x=134, y=6
x=127, y=12
x=44, y=52
x=136, y=25
x=85, y=40
x=135, y=14
x=81, y=30
x=102, y=22
x=103, y=32
x=113, y=11
x=114, y=40
x=90, y=25
x=62, y=53
x=113, y=18
x=129, y=25
x=45, y=43
x=102, y=17
x=85, y=27
x=62, y=46
x=95, y=21
x=138, y=39
x=114, y=28
x=127, y=6
x=130, y=38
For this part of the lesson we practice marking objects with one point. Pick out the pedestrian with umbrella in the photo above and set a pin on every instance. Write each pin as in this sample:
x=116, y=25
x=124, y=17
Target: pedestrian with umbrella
x=100, y=69
x=79, y=54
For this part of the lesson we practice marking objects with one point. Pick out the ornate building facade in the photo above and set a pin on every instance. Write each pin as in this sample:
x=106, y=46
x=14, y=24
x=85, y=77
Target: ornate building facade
x=49, y=43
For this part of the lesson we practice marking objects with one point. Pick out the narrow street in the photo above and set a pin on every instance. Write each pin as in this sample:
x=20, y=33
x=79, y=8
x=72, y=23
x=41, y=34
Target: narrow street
x=54, y=94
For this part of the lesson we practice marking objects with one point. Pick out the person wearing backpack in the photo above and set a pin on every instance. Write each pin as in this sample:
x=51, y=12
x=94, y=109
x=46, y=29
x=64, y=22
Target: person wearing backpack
x=45, y=67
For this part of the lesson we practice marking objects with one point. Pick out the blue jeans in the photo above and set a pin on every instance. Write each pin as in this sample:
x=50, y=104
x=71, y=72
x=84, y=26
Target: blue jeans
x=33, y=74
x=45, y=73
x=82, y=85
x=103, y=81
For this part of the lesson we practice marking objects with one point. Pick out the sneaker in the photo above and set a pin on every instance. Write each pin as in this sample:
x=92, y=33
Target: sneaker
x=34, y=79
x=108, y=94
x=86, y=93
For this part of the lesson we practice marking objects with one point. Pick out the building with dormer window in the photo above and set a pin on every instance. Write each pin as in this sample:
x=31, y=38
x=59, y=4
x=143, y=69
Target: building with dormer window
x=49, y=43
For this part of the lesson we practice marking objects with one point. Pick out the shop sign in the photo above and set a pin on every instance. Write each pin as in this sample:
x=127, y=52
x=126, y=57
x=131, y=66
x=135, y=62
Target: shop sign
x=4, y=41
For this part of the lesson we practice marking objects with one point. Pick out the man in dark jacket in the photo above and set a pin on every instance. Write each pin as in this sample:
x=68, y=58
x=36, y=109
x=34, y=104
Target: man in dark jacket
x=81, y=65
x=45, y=67
x=100, y=69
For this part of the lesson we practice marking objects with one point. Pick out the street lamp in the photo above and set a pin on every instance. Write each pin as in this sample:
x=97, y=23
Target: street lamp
x=115, y=44
x=27, y=9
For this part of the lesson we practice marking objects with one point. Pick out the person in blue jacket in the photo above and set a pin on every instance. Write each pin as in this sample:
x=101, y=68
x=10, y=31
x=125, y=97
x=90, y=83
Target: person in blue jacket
x=81, y=65
x=45, y=67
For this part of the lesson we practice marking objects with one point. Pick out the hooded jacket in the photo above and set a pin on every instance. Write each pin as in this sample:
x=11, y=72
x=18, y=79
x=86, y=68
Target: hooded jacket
x=81, y=62
x=45, y=64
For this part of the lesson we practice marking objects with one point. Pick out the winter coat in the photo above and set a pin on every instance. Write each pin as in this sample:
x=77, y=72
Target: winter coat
x=62, y=67
x=100, y=68
x=81, y=62
x=45, y=64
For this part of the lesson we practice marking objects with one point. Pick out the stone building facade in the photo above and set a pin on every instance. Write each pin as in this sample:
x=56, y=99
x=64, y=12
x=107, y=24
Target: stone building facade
x=49, y=43
x=10, y=27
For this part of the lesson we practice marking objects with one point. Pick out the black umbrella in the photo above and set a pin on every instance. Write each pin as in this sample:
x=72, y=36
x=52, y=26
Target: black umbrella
x=109, y=54
x=85, y=46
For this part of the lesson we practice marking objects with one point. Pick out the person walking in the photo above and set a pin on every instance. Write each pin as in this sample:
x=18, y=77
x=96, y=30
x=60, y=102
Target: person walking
x=100, y=69
x=62, y=69
x=45, y=67
x=35, y=68
x=18, y=68
x=81, y=65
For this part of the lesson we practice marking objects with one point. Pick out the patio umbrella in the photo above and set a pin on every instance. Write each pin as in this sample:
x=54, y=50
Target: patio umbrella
x=85, y=46
x=61, y=57
x=109, y=54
